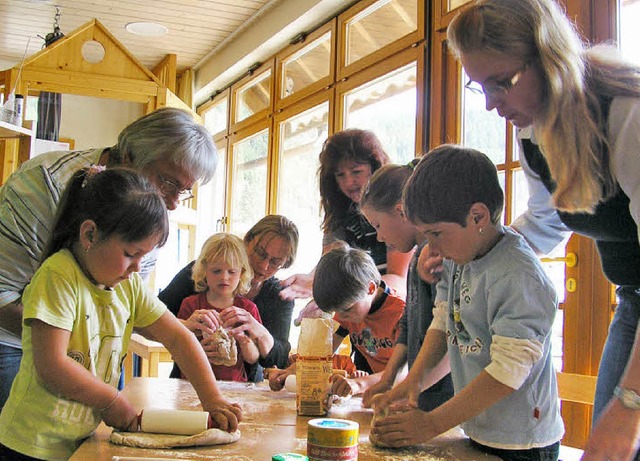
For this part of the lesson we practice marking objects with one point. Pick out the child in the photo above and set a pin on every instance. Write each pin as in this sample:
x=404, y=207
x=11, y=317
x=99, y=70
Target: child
x=79, y=312
x=221, y=275
x=494, y=312
x=382, y=206
x=348, y=283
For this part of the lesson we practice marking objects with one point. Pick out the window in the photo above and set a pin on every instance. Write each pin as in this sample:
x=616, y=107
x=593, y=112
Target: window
x=249, y=181
x=387, y=106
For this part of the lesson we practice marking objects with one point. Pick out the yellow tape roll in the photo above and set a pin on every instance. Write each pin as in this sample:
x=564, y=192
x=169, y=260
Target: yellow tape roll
x=330, y=439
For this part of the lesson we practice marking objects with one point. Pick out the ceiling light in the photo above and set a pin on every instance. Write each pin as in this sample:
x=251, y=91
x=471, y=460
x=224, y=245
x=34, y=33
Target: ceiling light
x=147, y=29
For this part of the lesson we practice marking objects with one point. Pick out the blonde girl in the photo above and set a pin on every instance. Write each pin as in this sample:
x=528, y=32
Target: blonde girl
x=222, y=275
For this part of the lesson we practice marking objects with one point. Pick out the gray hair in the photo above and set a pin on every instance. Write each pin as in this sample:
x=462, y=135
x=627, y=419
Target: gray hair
x=171, y=134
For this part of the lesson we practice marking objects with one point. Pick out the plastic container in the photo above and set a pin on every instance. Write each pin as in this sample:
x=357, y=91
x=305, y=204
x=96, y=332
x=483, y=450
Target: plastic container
x=18, y=110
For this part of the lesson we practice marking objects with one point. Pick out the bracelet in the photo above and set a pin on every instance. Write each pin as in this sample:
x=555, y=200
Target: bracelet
x=102, y=410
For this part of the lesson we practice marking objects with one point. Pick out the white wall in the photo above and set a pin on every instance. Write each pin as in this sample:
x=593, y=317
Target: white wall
x=95, y=122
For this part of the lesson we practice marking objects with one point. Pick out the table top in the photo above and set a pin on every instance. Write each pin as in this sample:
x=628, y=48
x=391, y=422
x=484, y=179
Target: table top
x=270, y=426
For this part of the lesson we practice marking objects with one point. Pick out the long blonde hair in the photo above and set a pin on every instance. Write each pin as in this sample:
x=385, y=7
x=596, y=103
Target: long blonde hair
x=572, y=128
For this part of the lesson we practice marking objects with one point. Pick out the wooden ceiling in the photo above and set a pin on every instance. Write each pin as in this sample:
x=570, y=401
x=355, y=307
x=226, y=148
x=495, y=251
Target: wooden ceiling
x=196, y=27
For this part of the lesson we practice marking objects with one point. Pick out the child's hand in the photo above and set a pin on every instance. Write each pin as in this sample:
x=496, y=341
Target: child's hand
x=429, y=265
x=381, y=402
x=225, y=415
x=343, y=387
x=378, y=388
x=405, y=426
x=203, y=321
x=121, y=415
x=277, y=377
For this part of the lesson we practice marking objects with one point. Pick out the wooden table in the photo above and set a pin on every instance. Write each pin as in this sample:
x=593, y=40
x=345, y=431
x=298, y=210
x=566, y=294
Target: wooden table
x=270, y=426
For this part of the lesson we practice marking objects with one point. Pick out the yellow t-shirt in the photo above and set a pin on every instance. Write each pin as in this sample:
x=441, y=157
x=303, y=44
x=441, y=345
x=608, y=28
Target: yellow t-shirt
x=36, y=422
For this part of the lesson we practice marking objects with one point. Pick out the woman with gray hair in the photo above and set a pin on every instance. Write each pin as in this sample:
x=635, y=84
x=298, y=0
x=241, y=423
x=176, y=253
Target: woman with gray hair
x=582, y=107
x=166, y=145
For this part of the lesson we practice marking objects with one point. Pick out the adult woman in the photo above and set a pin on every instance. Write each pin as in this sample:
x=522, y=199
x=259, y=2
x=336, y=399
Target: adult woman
x=347, y=161
x=272, y=244
x=584, y=108
x=167, y=145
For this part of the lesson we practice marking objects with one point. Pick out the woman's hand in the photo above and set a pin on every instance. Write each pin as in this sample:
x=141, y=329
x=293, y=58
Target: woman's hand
x=203, y=322
x=616, y=435
x=238, y=321
x=225, y=415
x=297, y=286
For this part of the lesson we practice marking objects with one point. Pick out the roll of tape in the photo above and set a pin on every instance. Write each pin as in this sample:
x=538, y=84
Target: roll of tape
x=330, y=439
x=181, y=422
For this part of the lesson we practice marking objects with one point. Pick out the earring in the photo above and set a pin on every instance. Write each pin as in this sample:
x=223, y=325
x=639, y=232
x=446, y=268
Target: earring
x=87, y=248
x=481, y=230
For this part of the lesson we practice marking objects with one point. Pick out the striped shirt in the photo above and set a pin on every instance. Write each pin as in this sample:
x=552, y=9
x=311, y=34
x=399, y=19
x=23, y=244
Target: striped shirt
x=28, y=202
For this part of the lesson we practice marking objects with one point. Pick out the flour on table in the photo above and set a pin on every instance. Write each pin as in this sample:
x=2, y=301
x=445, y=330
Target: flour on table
x=144, y=440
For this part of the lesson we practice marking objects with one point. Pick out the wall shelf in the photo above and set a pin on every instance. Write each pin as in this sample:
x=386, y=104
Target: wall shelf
x=9, y=130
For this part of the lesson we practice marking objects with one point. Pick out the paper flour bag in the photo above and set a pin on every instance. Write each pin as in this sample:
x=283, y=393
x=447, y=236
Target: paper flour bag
x=314, y=366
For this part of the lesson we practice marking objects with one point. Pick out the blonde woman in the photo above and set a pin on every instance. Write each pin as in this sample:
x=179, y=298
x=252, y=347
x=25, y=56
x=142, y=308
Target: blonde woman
x=582, y=107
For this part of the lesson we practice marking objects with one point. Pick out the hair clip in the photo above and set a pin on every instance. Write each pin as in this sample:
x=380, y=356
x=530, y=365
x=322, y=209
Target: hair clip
x=411, y=165
x=91, y=172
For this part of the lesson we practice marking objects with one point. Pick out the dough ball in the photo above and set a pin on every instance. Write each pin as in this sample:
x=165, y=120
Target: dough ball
x=290, y=384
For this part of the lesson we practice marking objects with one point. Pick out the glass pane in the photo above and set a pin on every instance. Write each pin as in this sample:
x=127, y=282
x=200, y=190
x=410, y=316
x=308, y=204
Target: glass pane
x=482, y=130
x=453, y=4
x=387, y=106
x=249, y=195
x=519, y=194
x=375, y=27
x=211, y=202
x=301, y=138
x=253, y=97
x=216, y=117
x=310, y=64
x=174, y=255
x=629, y=30
x=503, y=185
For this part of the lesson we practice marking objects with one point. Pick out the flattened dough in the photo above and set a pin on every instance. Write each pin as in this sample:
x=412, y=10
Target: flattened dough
x=227, y=350
x=144, y=440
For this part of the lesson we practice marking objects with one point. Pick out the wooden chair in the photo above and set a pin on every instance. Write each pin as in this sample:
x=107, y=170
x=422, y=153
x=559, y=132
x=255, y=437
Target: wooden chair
x=576, y=388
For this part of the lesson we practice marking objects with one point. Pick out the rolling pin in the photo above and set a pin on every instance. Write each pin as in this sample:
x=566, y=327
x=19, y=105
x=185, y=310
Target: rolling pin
x=179, y=422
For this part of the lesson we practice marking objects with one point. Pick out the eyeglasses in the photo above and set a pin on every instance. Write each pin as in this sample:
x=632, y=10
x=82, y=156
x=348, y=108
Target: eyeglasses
x=274, y=263
x=499, y=87
x=173, y=189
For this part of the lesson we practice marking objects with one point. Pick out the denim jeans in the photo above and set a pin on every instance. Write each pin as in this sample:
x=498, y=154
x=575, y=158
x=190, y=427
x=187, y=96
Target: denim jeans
x=9, y=364
x=617, y=349
x=549, y=453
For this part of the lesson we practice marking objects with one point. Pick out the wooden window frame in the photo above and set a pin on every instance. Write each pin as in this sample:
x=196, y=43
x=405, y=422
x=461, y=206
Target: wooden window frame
x=235, y=138
x=325, y=82
x=344, y=71
x=328, y=95
x=234, y=126
x=398, y=60
x=204, y=108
